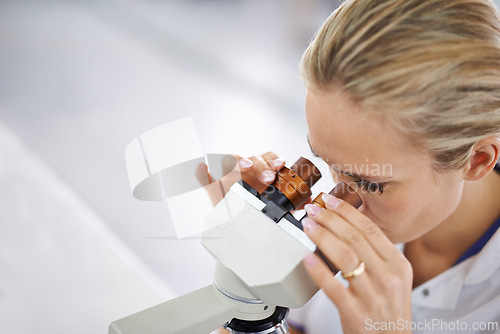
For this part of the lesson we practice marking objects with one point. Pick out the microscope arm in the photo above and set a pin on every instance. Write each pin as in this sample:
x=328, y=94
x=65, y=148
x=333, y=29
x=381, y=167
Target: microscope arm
x=201, y=311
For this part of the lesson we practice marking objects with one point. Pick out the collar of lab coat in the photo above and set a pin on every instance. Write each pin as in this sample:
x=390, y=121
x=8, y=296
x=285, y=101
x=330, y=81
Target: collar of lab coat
x=443, y=291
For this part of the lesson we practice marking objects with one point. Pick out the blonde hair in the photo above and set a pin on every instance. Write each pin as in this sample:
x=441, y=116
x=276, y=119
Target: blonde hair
x=430, y=67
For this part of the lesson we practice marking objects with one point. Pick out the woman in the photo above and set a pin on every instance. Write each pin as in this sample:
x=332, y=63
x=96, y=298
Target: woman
x=413, y=85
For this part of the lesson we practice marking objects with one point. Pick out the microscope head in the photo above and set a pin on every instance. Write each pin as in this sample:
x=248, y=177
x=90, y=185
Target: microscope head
x=257, y=238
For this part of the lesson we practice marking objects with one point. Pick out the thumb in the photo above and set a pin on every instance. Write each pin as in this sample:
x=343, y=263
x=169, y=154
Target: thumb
x=202, y=174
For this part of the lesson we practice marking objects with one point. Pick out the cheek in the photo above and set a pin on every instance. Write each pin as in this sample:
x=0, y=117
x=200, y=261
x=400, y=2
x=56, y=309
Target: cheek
x=397, y=216
x=408, y=214
x=396, y=212
x=443, y=201
x=387, y=212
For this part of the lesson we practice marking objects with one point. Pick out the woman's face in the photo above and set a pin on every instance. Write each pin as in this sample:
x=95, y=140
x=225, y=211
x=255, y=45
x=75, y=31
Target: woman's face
x=401, y=191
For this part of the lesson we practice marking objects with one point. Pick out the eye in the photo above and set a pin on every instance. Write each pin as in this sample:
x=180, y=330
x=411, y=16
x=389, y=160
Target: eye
x=370, y=187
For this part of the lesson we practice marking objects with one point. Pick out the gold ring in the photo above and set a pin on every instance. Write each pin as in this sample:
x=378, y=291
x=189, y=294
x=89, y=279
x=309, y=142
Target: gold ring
x=356, y=272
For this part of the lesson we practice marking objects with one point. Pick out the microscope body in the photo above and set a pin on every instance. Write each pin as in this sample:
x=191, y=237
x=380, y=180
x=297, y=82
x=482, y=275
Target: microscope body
x=263, y=245
x=259, y=273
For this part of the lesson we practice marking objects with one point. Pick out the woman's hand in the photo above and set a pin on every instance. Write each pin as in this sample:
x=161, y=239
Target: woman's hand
x=378, y=296
x=258, y=171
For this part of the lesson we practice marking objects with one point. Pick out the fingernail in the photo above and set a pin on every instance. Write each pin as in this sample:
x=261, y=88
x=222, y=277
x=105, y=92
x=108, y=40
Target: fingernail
x=310, y=260
x=267, y=176
x=277, y=162
x=312, y=210
x=245, y=163
x=331, y=201
x=309, y=224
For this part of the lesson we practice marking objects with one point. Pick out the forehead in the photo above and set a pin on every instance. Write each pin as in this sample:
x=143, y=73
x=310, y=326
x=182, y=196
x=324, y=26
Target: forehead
x=344, y=134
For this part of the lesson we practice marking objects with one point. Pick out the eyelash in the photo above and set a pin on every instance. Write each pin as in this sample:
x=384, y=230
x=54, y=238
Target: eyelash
x=370, y=187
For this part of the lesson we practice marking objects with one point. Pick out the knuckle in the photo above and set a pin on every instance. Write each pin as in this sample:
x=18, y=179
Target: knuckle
x=377, y=303
x=259, y=164
x=354, y=237
x=320, y=239
x=391, y=282
x=348, y=259
x=369, y=228
x=236, y=156
x=400, y=278
x=405, y=270
x=270, y=154
x=322, y=279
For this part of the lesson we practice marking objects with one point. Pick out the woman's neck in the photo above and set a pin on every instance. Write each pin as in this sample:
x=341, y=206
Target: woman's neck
x=441, y=247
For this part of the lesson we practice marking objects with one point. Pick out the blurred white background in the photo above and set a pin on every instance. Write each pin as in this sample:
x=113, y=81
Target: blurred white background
x=78, y=81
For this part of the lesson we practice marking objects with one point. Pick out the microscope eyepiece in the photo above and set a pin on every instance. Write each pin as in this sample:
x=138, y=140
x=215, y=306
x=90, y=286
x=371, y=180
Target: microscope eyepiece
x=307, y=171
x=292, y=186
x=344, y=192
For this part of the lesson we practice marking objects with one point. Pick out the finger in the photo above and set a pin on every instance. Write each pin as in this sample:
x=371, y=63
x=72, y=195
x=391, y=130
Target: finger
x=249, y=174
x=202, y=174
x=260, y=171
x=213, y=188
x=260, y=175
x=346, y=232
x=323, y=277
x=371, y=232
x=274, y=160
x=245, y=164
x=337, y=251
x=229, y=164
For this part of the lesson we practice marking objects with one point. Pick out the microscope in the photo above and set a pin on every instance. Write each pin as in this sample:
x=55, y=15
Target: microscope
x=258, y=246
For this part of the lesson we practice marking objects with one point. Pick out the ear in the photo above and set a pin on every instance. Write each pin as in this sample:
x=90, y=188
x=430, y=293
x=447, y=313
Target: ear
x=483, y=159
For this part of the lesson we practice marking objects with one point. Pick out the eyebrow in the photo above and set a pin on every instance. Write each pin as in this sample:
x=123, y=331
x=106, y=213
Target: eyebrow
x=366, y=178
